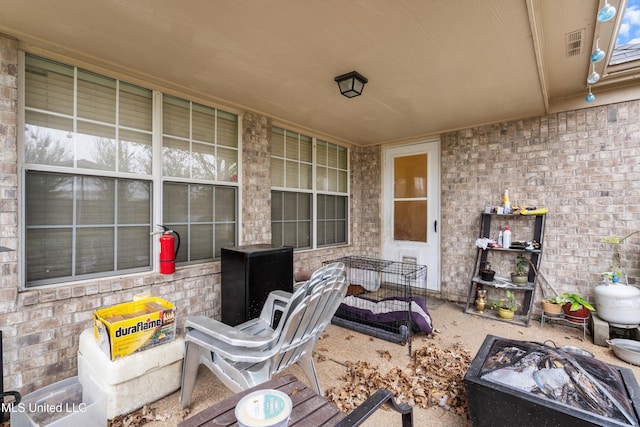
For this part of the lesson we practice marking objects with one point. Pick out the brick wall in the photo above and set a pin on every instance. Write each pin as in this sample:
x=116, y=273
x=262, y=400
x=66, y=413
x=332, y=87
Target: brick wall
x=583, y=165
x=366, y=190
x=256, y=179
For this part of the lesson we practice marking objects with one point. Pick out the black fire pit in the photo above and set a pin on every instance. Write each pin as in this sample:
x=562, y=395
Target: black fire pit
x=524, y=383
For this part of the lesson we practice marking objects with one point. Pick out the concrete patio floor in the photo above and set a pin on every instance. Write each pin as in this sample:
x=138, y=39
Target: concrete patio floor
x=340, y=345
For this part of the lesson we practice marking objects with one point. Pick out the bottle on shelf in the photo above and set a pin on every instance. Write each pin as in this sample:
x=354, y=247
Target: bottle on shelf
x=506, y=238
x=500, y=238
x=506, y=202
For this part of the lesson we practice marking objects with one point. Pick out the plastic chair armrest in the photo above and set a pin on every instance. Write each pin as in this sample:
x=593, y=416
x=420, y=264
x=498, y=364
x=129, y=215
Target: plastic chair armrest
x=276, y=301
x=222, y=332
x=228, y=351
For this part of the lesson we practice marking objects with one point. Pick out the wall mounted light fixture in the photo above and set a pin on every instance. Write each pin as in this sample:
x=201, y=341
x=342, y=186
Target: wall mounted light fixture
x=351, y=84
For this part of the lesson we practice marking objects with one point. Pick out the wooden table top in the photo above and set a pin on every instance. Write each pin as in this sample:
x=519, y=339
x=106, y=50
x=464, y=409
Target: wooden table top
x=309, y=408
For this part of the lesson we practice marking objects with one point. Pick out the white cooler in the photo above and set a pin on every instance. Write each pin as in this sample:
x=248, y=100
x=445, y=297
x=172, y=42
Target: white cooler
x=134, y=380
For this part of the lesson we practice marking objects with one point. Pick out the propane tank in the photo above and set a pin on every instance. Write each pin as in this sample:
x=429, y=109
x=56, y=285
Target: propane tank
x=618, y=304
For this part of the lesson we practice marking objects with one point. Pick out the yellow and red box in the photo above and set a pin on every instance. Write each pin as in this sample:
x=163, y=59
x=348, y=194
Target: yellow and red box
x=124, y=329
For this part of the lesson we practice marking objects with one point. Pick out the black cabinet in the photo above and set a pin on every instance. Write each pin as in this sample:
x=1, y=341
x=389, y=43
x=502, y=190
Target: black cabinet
x=526, y=292
x=249, y=273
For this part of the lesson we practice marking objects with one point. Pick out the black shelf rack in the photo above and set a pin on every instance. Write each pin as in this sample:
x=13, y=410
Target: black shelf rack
x=527, y=290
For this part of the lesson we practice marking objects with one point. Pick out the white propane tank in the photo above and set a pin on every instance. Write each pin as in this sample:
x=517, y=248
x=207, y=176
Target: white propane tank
x=618, y=303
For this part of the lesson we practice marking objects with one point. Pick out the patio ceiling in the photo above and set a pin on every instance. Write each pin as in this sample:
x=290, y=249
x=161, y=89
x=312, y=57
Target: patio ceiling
x=432, y=66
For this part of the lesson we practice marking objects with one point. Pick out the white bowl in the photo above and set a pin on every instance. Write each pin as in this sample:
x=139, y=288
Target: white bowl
x=627, y=350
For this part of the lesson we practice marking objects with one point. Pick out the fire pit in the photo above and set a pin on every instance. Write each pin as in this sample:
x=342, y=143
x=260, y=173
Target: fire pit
x=530, y=384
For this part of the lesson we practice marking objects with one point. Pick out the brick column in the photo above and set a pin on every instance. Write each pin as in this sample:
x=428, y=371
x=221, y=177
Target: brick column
x=256, y=180
x=9, y=284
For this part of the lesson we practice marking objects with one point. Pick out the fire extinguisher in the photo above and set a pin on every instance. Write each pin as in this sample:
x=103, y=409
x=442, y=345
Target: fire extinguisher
x=168, y=250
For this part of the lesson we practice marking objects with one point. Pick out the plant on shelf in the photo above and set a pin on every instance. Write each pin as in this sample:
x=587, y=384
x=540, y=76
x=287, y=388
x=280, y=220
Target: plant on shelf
x=552, y=306
x=486, y=273
x=521, y=275
x=506, y=305
x=615, y=270
x=576, y=308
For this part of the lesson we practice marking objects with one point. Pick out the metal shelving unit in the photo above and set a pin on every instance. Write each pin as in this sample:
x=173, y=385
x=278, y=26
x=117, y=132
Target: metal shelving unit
x=527, y=291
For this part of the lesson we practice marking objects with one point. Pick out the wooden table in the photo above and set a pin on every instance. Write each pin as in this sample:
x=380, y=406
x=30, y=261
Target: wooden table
x=309, y=408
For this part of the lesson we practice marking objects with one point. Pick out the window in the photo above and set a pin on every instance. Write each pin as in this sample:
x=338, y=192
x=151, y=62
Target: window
x=85, y=225
x=200, y=146
x=88, y=173
x=299, y=183
x=332, y=220
x=332, y=178
x=291, y=219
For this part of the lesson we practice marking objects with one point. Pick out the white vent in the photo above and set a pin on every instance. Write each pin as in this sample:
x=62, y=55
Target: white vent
x=574, y=42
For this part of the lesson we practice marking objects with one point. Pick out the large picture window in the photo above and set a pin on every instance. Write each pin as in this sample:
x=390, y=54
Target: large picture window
x=309, y=191
x=89, y=174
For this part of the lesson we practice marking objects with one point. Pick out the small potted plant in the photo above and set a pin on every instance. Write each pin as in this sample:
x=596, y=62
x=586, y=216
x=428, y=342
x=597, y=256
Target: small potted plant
x=552, y=306
x=506, y=305
x=520, y=277
x=486, y=273
x=577, y=309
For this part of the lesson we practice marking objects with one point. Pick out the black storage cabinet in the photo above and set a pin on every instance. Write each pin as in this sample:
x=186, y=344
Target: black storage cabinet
x=249, y=273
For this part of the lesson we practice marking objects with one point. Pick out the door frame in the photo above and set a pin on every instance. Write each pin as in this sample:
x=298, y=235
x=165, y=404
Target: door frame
x=432, y=148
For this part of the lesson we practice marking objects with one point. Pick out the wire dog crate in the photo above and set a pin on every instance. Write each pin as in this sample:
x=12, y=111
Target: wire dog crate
x=381, y=300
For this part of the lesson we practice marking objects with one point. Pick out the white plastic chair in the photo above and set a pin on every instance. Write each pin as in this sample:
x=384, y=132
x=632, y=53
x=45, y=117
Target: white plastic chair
x=251, y=353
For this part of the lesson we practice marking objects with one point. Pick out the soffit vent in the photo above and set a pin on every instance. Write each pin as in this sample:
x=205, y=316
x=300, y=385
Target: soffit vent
x=574, y=42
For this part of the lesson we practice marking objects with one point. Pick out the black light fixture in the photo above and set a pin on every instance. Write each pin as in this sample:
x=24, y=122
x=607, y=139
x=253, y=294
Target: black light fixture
x=351, y=84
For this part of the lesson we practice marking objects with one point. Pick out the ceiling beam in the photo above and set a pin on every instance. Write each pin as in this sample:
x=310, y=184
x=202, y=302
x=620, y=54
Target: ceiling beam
x=533, y=11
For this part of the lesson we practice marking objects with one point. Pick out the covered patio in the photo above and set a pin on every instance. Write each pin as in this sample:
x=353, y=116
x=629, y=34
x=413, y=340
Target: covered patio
x=492, y=93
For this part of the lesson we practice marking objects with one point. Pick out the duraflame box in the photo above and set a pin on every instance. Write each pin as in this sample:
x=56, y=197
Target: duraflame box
x=124, y=329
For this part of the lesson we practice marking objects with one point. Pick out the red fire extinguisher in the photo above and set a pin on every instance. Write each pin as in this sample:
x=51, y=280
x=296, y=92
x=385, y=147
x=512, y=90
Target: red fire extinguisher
x=168, y=250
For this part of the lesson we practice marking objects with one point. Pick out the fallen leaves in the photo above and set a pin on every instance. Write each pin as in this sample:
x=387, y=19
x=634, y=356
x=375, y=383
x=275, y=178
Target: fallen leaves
x=140, y=417
x=384, y=354
x=433, y=377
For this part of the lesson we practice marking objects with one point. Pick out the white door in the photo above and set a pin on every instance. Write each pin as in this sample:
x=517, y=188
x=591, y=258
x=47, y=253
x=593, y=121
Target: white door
x=411, y=207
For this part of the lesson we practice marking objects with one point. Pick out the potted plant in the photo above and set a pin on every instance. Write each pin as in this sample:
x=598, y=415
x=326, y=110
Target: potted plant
x=520, y=277
x=506, y=305
x=615, y=273
x=577, y=309
x=552, y=306
x=486, y=273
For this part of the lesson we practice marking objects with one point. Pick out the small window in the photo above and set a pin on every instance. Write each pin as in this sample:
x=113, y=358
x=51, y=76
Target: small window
x=204, y=216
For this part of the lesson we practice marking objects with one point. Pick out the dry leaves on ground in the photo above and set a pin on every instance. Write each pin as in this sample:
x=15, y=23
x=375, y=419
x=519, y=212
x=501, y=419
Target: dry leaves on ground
x=433, y=377
x=137, y=418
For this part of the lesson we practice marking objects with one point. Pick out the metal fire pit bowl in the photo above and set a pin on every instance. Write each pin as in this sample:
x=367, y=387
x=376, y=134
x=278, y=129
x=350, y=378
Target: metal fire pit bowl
x=523, y=383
